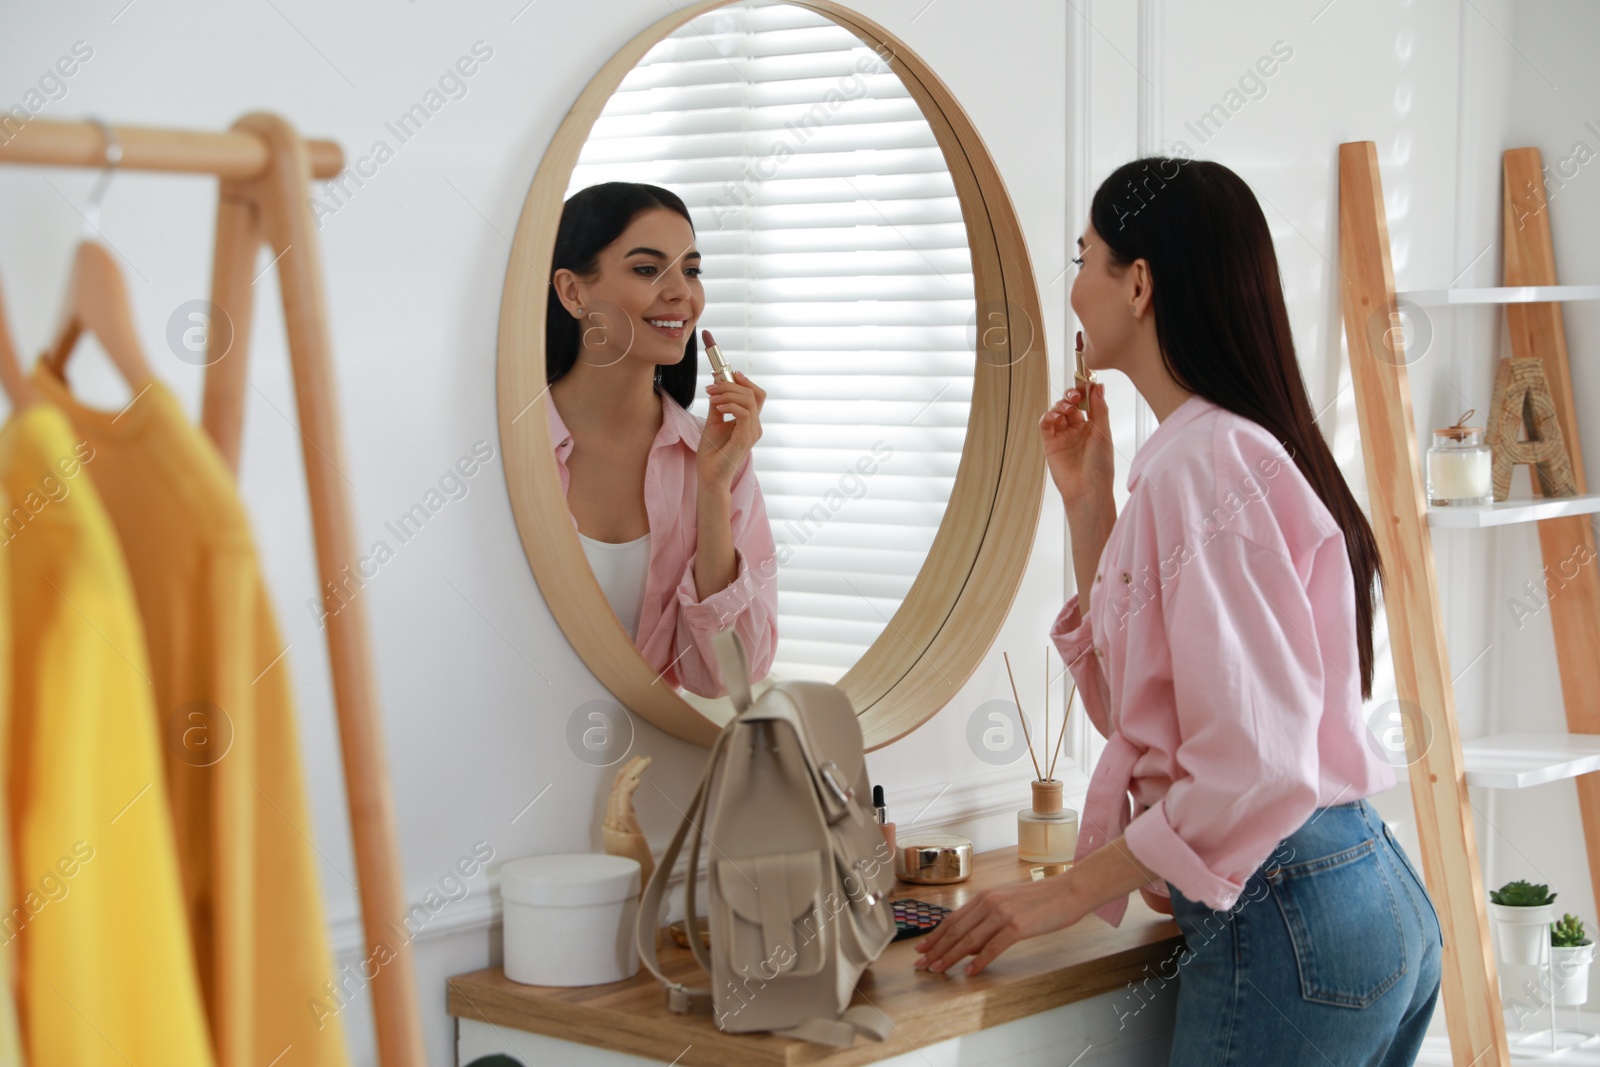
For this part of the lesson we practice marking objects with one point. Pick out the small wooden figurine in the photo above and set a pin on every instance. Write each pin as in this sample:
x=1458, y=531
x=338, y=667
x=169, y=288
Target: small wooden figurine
x=620, y=828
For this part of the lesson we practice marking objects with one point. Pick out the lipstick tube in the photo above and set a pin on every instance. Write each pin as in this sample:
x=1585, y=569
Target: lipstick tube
x=1082, y=378
x=720, y=368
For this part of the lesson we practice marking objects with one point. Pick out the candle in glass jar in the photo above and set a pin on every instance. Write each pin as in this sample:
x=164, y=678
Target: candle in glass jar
x=1460, y=468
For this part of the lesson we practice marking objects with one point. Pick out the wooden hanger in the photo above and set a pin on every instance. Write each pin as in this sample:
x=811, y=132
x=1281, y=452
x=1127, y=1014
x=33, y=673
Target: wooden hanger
x=97, y=299
x=18, y=391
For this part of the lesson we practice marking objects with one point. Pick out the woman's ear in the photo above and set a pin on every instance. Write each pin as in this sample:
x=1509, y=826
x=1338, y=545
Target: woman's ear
x=1142, y=292
x=569, y=291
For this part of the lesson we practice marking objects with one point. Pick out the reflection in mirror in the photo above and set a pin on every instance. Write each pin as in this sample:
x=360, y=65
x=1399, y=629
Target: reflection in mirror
x=668, y=511
x=836, y=275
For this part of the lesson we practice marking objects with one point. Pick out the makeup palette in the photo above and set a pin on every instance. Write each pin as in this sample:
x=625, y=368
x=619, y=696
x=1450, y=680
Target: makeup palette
x=914, y=917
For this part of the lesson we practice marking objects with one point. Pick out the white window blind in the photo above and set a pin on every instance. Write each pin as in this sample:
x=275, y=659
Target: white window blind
x=837, y=275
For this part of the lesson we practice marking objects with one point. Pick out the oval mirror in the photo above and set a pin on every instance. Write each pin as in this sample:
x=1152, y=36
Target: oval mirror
x=862, y=263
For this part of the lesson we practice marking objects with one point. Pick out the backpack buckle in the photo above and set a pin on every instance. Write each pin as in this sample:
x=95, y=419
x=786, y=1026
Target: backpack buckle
x=860, y=867
x=830, y=774
x=678, y=1000
x=682, y=1000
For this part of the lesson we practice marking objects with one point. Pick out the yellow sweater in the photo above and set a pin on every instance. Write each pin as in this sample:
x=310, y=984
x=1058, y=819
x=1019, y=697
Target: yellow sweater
x=10, y=1041
x=225, y=705
x=105, y=976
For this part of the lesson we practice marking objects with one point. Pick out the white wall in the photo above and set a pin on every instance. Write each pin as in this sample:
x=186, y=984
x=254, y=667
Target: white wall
x=477, y=681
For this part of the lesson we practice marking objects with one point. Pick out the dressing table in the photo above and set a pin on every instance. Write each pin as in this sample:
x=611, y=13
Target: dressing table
x=1100, y=993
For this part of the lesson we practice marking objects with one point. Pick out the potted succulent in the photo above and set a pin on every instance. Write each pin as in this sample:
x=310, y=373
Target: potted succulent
x=1522, y=915
x=1570, y=955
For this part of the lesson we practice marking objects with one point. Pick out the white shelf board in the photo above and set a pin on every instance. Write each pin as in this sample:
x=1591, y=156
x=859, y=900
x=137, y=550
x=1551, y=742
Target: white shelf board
x=1435, y=1050
x=1505, y=512
x=1512, y=294
x=1520, y=760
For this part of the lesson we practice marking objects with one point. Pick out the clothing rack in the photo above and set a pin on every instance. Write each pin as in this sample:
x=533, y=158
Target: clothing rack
x=265, y=169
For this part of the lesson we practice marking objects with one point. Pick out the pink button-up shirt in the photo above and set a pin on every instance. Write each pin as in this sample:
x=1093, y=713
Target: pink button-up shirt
x=676, y=627
x=1219, y=659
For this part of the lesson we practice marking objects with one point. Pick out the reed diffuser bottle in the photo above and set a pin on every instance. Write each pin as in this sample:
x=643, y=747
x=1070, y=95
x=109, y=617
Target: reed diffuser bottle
x=1047, y=831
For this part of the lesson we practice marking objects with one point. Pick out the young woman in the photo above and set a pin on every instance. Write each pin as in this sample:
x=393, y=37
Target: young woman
x=665, y=503
x=1222, y=640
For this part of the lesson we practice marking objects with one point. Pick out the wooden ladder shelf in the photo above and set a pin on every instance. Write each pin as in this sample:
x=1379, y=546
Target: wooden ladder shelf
x=1440, y=767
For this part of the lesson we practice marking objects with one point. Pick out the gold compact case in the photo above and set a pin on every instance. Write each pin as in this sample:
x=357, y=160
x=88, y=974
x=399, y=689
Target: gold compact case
x=933, y=859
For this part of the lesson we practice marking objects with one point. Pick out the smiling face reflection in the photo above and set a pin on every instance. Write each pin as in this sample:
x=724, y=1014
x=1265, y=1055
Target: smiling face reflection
x=667, y=510
x=643, y=299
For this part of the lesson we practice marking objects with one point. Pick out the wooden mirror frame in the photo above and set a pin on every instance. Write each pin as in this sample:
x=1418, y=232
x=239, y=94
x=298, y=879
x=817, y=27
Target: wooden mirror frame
x=965, y=588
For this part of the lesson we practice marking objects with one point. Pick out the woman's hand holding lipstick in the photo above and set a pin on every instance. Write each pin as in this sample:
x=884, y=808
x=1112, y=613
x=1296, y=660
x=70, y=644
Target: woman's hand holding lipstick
x=1077, y=446
x=726, y=444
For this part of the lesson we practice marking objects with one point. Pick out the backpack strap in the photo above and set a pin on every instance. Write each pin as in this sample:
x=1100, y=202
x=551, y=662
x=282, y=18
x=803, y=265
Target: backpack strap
x=841, y=1032
x=735, y=667
x=736, y=673
x=680, y=998
x=691, y=913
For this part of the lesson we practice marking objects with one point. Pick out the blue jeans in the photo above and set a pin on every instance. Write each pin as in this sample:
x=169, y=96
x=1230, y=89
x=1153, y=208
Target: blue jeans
x=1331, y=955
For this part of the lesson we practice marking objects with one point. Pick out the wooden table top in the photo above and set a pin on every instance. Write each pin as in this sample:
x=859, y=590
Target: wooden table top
x=1082, y=961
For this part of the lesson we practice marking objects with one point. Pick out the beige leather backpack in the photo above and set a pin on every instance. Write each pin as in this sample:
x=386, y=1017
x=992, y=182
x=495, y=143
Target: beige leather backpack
x=797, y=870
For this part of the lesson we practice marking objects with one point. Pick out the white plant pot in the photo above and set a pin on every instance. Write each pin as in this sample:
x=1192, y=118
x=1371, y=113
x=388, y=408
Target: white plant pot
x=1522, y=932
x=1570, y=970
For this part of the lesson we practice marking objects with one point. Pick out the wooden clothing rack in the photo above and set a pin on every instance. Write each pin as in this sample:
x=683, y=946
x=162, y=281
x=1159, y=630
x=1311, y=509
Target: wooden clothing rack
x=1442, y=767
x=265, y=170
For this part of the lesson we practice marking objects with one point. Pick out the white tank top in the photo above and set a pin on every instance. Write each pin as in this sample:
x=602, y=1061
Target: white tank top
x=621, y=570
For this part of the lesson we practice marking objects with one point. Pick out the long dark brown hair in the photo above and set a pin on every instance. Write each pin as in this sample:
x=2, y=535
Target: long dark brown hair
x=1223, y=327
x=590, y=220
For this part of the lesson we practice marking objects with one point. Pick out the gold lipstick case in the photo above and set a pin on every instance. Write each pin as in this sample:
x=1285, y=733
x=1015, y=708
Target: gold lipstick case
x=1083, y=378
x=720, y=369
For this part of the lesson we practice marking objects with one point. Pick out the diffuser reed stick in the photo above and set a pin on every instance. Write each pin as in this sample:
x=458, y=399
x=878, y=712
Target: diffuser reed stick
x=1051, y=770
x=1048, y=772
x=1023, y=716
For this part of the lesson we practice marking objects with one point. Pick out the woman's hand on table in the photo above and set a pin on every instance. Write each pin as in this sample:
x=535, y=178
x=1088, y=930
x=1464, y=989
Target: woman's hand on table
x=998, y=918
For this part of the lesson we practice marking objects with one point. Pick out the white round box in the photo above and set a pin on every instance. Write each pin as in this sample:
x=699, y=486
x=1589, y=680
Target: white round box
x=569, y=918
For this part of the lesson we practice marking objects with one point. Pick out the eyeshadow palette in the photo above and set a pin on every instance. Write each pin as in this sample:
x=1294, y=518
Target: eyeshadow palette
x=913, y=918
